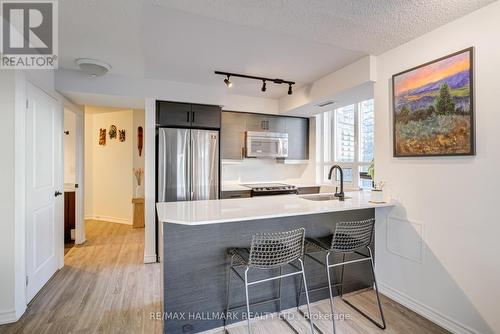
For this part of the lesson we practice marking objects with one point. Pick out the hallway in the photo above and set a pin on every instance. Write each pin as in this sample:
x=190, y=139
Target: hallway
x=104, y=287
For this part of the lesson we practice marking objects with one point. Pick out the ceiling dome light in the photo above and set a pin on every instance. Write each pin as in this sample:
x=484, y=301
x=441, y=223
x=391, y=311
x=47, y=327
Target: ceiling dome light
x=92, y=67
x=263, y=86
x=228, y=83
x=290, y=89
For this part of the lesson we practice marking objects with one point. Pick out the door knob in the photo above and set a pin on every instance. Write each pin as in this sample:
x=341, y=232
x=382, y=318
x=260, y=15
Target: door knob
x=57, y=193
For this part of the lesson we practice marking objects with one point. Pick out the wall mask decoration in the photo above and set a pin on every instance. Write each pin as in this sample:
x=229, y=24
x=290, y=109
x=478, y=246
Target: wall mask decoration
x=102, y=136
x=121, y=135
x=112, y=132
x=433, y=109
x=140, y=136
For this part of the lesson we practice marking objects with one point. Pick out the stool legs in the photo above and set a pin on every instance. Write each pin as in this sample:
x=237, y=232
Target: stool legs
x=330, y=290
x=372, y=267
x=248, y=301
x=376, y=290
x=307, y=296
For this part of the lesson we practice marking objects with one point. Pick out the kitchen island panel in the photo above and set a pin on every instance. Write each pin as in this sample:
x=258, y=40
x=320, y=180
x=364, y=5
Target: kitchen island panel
x=196, y=268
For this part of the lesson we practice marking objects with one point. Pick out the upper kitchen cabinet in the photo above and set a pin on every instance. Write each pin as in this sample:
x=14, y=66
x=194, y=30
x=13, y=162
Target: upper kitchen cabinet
x=173, y=114
x=298, y=138
x=235, y=124
x=259, y=122
x=205, y=116
x=177, y=114
x=232, y=133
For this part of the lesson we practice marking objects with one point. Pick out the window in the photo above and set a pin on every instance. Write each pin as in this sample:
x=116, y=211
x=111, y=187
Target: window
x=347, y=138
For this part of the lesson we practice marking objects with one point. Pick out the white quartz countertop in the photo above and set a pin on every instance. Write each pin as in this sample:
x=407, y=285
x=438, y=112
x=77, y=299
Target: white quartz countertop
x=230, y=210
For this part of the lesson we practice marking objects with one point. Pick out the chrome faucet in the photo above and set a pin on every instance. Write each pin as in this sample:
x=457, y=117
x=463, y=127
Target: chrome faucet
x=340, y=194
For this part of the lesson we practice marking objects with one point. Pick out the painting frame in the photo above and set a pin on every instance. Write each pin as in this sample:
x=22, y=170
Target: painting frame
x=472, y=139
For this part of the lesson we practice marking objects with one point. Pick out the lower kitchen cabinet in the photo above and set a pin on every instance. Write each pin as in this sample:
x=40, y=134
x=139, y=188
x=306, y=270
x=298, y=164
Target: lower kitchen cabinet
x=235, y=194
x=308, y=190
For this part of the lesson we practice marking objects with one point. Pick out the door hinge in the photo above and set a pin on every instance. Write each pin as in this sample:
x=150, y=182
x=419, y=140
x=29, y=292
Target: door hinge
x=27, y=280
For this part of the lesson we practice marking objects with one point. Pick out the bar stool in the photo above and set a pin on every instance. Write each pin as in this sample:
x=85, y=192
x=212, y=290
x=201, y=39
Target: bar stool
x=268, y=251
x=347, y=238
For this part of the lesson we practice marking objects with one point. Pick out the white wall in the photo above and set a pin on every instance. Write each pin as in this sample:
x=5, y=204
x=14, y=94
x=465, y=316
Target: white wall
x=331, y=86
x=110, y=182
x=439, y=250
x=7, y=205
x=69, y=147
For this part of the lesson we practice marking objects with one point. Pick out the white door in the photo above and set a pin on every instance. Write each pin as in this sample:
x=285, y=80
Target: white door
x=44, y=187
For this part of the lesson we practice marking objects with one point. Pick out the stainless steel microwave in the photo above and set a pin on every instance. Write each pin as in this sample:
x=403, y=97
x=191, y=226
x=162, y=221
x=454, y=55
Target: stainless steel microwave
x=266, y=144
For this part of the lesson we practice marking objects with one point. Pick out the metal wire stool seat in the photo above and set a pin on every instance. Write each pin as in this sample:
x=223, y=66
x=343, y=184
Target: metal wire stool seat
x=347, y=238
x=268, y=251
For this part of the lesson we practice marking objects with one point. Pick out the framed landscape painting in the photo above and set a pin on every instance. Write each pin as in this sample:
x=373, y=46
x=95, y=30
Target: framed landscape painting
x=433, y=109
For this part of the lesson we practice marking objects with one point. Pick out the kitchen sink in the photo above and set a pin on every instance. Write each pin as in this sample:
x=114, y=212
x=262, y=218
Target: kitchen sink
x=322, y=197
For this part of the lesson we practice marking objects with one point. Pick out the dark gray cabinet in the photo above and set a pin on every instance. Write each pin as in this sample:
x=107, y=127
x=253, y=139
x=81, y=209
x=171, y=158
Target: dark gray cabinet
x=205, y=116
x=187, y=115
x=234, y=125
x=298, y=138
x=173, y=114
x=232, y=133
x=235, y=194
x=259, y=122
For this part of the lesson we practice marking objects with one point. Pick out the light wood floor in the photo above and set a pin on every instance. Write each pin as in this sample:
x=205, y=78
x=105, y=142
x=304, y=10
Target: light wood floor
x=399, y=319
x=104, y=287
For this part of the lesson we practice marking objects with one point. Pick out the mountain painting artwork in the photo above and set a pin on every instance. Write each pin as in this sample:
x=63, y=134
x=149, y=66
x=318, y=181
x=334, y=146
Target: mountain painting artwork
x=433, y=108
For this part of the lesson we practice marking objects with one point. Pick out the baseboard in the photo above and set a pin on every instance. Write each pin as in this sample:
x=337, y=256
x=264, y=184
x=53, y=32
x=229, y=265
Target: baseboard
x=425, y=311
x=149, y=258
x=6, y=317
x=110, y=219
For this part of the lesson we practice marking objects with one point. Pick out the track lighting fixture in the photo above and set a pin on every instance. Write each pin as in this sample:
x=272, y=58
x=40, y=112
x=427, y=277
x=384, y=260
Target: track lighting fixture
x=228, y=83
x=264, y=80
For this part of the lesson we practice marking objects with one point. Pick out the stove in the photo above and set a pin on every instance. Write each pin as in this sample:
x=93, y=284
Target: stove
x=267, y=189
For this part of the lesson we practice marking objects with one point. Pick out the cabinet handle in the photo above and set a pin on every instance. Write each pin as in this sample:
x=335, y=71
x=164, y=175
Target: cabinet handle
x=188, y=116
x=192, y=117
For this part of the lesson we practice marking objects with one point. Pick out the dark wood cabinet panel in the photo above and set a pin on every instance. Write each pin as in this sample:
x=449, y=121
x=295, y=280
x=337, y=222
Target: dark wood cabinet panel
x=205, y=116
x=173, y=114
x=298, y=138
x=177, y=114
x=232, y=134
x=69, y=214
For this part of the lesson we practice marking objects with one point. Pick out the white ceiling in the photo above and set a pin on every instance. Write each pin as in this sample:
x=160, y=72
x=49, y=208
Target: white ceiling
x=300, y=40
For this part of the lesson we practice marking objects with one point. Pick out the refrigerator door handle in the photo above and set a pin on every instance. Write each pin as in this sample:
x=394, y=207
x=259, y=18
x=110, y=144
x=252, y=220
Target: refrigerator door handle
x=192, y=165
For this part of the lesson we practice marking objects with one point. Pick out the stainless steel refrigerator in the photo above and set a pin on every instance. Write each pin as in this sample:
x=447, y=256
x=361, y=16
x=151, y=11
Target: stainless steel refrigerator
x=188, y=168
x=188, y=165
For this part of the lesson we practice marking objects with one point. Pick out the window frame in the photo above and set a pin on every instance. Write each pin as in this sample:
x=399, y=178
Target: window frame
x=326, y=149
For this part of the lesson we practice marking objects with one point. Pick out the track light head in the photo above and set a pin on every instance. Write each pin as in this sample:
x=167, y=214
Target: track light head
x=228, y=82
x=290, y=89
x=263, y=86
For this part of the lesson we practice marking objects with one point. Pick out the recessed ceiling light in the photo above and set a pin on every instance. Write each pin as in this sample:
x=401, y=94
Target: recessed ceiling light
x=93, y=67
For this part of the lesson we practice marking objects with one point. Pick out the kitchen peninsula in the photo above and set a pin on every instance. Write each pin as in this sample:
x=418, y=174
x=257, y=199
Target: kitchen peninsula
x=197, y=234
